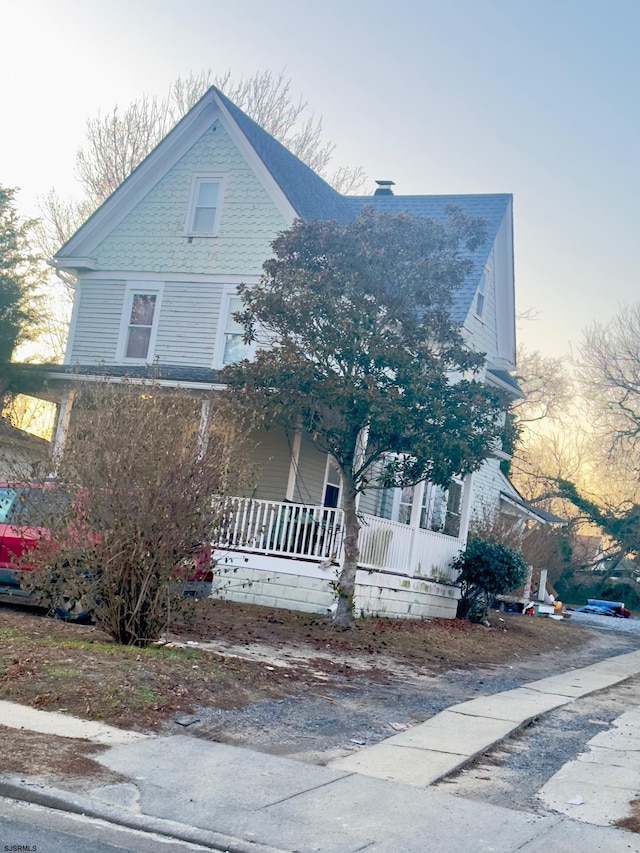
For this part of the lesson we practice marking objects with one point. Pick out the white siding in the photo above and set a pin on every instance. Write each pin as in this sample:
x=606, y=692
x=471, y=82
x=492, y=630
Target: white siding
x=485, y=499
x=484, y=336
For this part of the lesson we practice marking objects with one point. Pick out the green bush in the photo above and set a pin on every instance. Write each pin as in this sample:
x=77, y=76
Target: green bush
x=486, y=569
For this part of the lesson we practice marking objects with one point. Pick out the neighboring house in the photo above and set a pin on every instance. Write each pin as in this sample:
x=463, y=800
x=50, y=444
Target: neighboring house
x=21, y=453
x=157, y=269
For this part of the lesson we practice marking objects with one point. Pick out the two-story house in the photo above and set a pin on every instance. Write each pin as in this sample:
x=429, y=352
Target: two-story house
x=157, y=269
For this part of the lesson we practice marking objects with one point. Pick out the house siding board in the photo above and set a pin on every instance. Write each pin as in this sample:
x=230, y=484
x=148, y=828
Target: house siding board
x=152, y=239
x=185, y=308
x=312, y=465
x=505, y=301
x=371, y=499
x=485, y=499
x=483, y=330
x=98, y=322
x=272, y=459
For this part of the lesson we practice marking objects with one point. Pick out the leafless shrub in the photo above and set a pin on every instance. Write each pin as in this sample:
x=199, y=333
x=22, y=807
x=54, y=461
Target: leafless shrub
x=543, y=546
x=142, y=499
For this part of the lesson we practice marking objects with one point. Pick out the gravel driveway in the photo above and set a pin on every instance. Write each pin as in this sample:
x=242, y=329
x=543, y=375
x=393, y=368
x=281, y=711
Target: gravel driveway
x=320, y=724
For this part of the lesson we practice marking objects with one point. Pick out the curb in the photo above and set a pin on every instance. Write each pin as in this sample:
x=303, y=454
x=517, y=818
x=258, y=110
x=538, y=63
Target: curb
x=53, y=798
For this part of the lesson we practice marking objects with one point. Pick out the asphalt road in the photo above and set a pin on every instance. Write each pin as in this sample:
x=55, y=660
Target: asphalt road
x=31, y=828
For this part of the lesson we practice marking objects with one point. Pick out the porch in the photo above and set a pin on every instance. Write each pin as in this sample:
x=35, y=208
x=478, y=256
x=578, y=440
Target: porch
x=285, y=554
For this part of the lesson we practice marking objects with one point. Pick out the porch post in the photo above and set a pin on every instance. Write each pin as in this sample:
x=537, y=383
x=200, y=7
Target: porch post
x=293, y=465
x=203, y=429
x=361, y=449
x=465, y=512
x=62, y=424
x=414, y=523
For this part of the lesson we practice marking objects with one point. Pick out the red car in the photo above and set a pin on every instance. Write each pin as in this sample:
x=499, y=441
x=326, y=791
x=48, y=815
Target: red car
x=26, y=513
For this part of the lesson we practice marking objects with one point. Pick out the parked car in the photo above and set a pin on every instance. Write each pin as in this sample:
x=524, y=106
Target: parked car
x=28, y=514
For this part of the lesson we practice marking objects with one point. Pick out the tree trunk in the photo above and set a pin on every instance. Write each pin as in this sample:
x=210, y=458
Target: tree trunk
x=344, y=616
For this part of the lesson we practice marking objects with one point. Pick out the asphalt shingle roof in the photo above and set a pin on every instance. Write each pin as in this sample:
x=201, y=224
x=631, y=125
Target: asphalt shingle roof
x=492, y=208
x=309, y=195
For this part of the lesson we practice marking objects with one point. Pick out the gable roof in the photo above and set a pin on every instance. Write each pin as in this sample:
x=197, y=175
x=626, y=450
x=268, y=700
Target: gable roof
x=305, y=192
x=309, y=194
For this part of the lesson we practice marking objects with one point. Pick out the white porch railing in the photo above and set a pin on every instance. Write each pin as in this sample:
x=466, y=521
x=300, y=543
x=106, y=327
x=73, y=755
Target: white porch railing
x=399, y=548
x=316, y=532
x=279, y=527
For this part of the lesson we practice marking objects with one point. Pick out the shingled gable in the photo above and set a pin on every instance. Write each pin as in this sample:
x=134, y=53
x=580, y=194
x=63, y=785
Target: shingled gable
x=302, y=192
x=297, y=190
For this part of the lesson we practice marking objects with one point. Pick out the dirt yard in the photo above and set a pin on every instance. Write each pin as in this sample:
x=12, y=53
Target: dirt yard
x=275, y=680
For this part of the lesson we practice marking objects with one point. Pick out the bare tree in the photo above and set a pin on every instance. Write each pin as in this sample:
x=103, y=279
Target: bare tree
x=608, y=368
x=549, y=442
x=547, y=387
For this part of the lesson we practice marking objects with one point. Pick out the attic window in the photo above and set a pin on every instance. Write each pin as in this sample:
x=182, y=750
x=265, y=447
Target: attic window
x=480, y=296
x=204, y=205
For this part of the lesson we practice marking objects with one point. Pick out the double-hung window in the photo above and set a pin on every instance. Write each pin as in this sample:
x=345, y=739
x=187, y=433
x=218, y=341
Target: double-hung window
x=140, y=323
x=204, y=206
x=233, y=346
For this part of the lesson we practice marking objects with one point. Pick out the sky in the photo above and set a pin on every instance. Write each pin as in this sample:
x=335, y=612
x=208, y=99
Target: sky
x=538, y=98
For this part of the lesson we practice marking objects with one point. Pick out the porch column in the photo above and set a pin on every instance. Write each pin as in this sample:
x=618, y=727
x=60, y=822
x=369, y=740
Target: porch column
x=62, y=424
x=414, y=524
x=293, y=465
x=361, y=450
x=203, y=429
x=465, y=510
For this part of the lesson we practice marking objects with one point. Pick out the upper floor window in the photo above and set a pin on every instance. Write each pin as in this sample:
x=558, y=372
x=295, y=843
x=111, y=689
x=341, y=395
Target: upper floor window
x=234, y=347
x=139, y=325
x=204, y=205
x=480, y=295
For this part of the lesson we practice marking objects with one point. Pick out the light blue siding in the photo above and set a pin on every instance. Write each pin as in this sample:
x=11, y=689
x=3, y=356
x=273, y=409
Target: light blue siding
x=152, y=237
x=151, y=241
x=188, y=323
x=98, y=324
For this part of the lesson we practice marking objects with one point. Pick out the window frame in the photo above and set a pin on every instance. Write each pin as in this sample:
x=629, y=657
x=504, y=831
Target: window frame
x=132, y=290
x=481, y=295
x=332, y=465
x=197, y=179
x=223, y=320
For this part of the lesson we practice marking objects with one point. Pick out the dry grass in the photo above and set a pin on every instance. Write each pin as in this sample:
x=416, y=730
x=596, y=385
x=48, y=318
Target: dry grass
x=77, y=669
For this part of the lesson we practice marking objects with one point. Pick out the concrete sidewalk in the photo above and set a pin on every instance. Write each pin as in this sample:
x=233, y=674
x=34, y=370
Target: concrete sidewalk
x=449, y=740
x=227, y=798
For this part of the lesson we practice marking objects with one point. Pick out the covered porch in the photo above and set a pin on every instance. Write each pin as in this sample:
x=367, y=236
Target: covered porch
x=286, y=554
x=281, y=544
